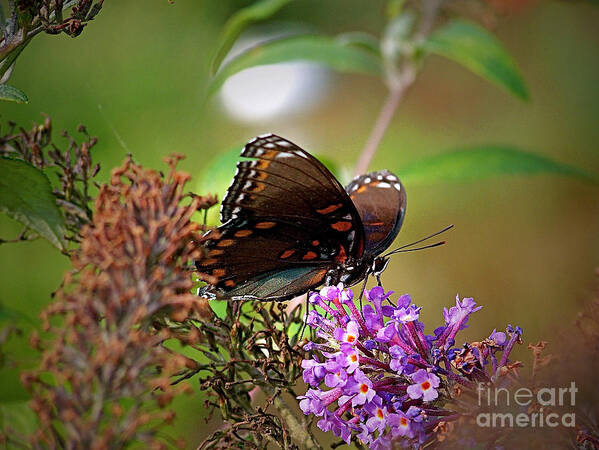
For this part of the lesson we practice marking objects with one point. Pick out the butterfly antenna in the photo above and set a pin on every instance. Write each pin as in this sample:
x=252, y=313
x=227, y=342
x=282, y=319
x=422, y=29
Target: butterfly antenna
x=404, y=248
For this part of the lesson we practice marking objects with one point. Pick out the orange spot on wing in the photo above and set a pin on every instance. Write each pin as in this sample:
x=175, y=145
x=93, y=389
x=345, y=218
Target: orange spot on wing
x=329, y=209
x=207, y=262
x=341, y=256
x=308, y=256
x=315, y=242
x=318, y=276
x=374, y=224
x=264, y=225
x=258, y=187
x=225, y=243
x=287, y=253
x=229, y=283
x=215, y=252
x=261, y=175
x=341, y=226
x=218, y=272
x=262, y=164
x=243, y=233
x=361, y=189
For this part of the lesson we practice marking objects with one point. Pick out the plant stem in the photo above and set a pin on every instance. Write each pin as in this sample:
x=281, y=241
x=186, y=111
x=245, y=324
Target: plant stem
x=399, y=81
x=396, y=95
x=298, y=431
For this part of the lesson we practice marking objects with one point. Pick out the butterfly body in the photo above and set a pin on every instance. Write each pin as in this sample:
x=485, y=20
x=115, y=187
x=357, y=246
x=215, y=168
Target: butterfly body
x=290, y=226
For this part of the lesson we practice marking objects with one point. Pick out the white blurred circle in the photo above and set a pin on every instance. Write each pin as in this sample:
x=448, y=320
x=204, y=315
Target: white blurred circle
x=267, y=92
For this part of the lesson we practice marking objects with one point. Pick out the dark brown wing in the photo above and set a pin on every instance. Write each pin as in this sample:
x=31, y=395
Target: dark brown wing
x=285, y=218
x=380, y=199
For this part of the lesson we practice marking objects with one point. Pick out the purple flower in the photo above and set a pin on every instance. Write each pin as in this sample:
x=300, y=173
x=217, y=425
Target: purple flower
x=374, y=373
x=408, y=314
x=398, y=359
x=459, y=313
x=348, y=358
x=498, y=337
x=381, y=443
x=362, y=387
x=330, y=422
x=378, y=416
x=337, y=377
x=400, y=425
x=311, y=403
x=424, y=386
x=330, y=293
x=314, y=371
x=349, y=335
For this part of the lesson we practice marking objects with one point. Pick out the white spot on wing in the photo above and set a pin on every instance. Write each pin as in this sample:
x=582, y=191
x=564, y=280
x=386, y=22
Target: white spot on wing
x=397, y=186
x=383, y=185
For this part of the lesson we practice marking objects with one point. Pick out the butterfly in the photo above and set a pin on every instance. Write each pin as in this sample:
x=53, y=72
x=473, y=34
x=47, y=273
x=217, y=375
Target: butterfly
x=290, y=226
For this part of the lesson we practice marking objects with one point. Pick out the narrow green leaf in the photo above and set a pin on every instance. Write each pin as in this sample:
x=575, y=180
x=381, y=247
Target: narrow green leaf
x=320, y=49
x=26, y=195
x=239, y=21
x=482, y=162
x=12, y=94
x=478, y=50
x=360, y=39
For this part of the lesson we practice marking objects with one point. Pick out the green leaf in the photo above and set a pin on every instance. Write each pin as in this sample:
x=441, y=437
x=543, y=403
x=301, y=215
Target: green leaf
x=360, y=39
x=482, y=162
x=239, y=21
x=26, y=195
x=18, y=419
x=8, y=314
x=320, y=49
x=12, y=94
x=478, y=50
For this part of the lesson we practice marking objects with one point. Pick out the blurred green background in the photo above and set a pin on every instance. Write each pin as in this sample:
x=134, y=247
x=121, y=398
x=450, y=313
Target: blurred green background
x=524, y=247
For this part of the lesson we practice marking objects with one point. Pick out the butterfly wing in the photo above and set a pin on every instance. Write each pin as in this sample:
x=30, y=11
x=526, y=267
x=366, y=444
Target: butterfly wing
x=287, y=220
x=380, y=199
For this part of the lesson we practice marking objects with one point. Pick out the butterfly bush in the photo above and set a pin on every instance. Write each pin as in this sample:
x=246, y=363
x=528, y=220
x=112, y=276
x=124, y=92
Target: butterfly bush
x=376, y=377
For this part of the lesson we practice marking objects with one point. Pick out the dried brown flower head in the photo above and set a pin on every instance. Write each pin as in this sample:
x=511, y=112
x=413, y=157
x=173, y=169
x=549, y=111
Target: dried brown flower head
x=103, y=381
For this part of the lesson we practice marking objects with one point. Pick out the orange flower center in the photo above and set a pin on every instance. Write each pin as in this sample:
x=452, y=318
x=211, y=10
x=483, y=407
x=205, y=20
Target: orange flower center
x=363, y=388
x=379, y=413
x=425, y=386
x=351, y=338
x=353, y=358
x=403, y=421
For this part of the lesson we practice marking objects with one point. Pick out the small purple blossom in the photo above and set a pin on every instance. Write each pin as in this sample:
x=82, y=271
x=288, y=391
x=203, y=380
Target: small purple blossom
x=375, y=374
x=424, y=386
x=314, y=371
x=349, y=334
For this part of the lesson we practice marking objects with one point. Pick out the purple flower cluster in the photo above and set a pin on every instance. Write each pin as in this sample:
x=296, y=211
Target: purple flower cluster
x=376, y=377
